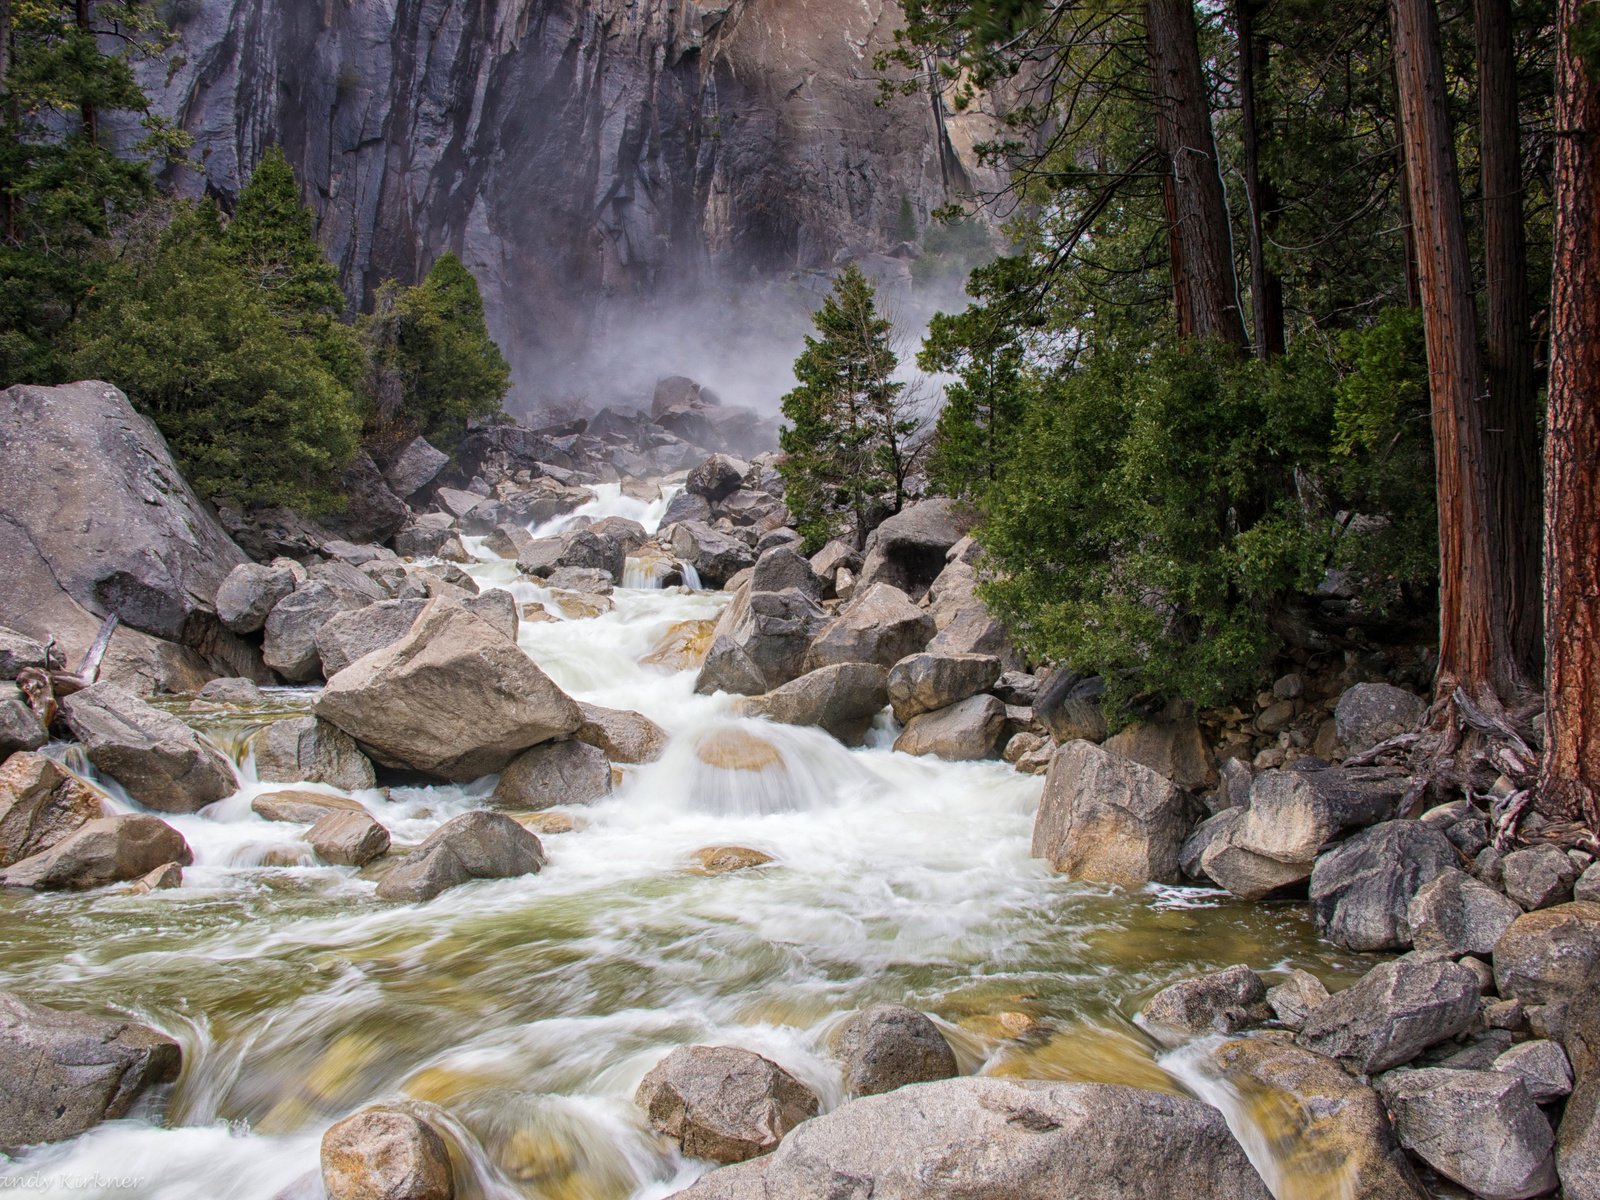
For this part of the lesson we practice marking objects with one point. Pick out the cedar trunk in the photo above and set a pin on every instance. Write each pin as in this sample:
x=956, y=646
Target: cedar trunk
x=1474, y=629
x=1569, y=778
x=1201, y=244
x=1266, y=289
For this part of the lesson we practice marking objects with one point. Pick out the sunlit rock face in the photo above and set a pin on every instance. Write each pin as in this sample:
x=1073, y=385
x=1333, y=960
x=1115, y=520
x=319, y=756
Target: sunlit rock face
x=598, y=164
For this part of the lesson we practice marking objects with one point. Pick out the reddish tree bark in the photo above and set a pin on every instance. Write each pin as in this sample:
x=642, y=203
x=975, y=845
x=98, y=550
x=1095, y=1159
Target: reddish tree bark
x=1202, y=247
x=1569, y=777
x=1474, y=630
x=1266, y=289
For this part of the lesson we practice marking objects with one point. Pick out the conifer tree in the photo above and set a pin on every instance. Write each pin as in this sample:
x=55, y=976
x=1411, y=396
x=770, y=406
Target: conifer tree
x=272, y=238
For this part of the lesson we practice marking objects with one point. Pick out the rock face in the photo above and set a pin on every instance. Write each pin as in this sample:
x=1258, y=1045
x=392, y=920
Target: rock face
x=964, y=732
x=310, y=750
x=565, y=772
x=163, y=763
x=983, y=1139
x=63, y=1073
x=889, y=1046
x=723, y=1103
x=1361, y=891
x=453, y=698
x=1393, y=1013
x=1104, y=818
x=1226, y=1002
x=475, y=845
x=843, y=699
x=99, y=521
x=41, y=803
x=105, y=850
x=385, y=1155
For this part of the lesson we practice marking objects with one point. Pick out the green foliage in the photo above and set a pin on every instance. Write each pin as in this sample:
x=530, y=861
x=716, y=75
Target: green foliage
x=272, y=239
x=849, y=424
x=430, y=363
x=251, y=415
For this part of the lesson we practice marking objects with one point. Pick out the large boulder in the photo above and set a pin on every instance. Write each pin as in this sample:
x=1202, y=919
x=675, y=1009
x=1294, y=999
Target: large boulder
x=371, y=512
x=20, y=728
x=41, y=803
x=1225, y=1002
x=1107, y=819
x=760, y=642
x=1248, y=875
x=1578, y=1142
x=385, y=1154
x=843, y=699
x=1458, y=915
x=564, y=772
x=18, y=651
x=453, y=698
x=723, y=1103
x=289, y=644
x=784, y=567
x=63, y=1073
x=980, y=1138
x=1551, y=957
x=1393, y=1013
x=1543, y=1067
x=908, y=550
x=716, y=478
x=879, y=625
x=247, y=595
x=889, y=1046
x=623, y=736
x=162, y=763
x=413, y=467
x=310, y=750
x=1169, y=746
x=1361, y=891
x=104, y=850
x=354, y=633
x=1369, y=713
x=1478, y=1128
x=101, y=522
x=924, y=682
x=475, y=845
x=1293, y=814
x=964, y=732
x=715, y=556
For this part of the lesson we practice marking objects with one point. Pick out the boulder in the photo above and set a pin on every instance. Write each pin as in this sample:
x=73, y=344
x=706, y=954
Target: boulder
x=1292, y=1000
x=716, y=478
x=1225, y=1002
x=1329, y=1133
x=41, y=803
x=1361, y=891
x=423, y=537
x=724, y=860
x=1247, y=875
x=1541, y=1065
x=1458, y=915
x=1480, y=1129
x=760, y=642
x=925, y=682
x=498, y=608
x=1172, y=747
x=249, y=592
x=1578, y=1142
x=18, y=651
x=1588, y=885
x=371, y=512
x=289, y=645
x=889, y=1046
x=355, y=586
x=587, y=580
x=879, y=625
x=1191, y=856
x=684, y=508
x=908, y=550
x=104, y=850
x=1369, y=713
x=19, y=726
x=624, y=737
x=413, y=467
x=715, y=556
x=507, y=540
x=784, y=567
x=453, y=698
x=310, y=750
x=564, y=772
x=1107, y=819
x=348, y=839
x=1293, y=814
x=350, y=634
x=1539, y=876
x=979, y=1138
x=235, y=693
x=162, y=763
x=475, y=845
x=964, y=732
x=1551, y=957
x=380, y=1154
x=825, y=563
x=1393, y=1013
x=301, y=808
x=456, y=502
x=843, y=699
x=723, y=1103
x=63, y=1073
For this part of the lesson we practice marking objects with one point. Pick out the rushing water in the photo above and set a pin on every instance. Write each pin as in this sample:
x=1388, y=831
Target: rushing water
x=528, y=1010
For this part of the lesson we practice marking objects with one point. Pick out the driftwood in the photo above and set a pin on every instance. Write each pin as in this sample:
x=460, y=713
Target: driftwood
x=43, y=688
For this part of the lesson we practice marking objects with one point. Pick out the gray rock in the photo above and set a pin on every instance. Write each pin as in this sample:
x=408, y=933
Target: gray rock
x=453, y=698
x=879, y=625
x=1478, y=1128
x=1578, y=1142
x=1361, y=891
x=424, y=536
x=1234, y=781
x=1247, y=875
x=18, y=651
x=723, y=1103
x=289, y=646
x=301, y=808
x=1369, y=713
x=1292, y=815
x=356, y=586
x=686, y=507
x=1393, y=1013
x=162, y=763
x=827, y=561
x=1191, y=856
x=456, y=502
x=716, y=478
x=19, y=727
x=966, y=731
x=1588, y=885
x=1171, y=747
x=475, y=845
x=379, y=1154
x=1069, y=706
x=237, y=693
x=908, y=550
x=41, y=804
x=247, y=595
x=348, y=839
x=104, y=850
x=785, y=567
x=62, y=1073
x=371, y=512
x=925, y=682
x=1551, y=957
x=889, y=1046
x=1224, y=1002
x=760, y=642
x=413, y=467
x=310, y=750
x=715, y=556
x=508, y=541
x=1017, y=687
x=1539, y=876
x=1542, y=1066
x=496, y=607
x=588, y=580
x=1457, y=914
x=1292, y=1000
x=980, y=1138
x=564, y=772
x=625, y=737
x=349, y=634
x=843, y=699
x=1107, y=819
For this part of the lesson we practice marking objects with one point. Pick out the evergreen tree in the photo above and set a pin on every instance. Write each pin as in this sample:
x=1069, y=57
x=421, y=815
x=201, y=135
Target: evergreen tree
x=848, y=445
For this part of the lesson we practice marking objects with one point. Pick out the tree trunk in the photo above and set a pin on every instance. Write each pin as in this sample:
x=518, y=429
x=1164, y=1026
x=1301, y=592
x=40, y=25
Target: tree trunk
x=1202, y=245
x=91, y=119
x=1266, y=289
x=1569, y=777
x=1513, y=438
x=1474, y=630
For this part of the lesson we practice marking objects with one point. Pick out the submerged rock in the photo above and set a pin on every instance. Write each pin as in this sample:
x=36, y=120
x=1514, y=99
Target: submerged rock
x=889, y=1046
x=475, y=845
x=163, y=763
x=380, y=1154
x=724, y=860
x=104, y=850
x=723, y=1103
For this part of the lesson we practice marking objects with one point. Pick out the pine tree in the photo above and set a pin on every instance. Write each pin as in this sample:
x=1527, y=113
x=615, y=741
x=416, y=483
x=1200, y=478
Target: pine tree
x=272, y=238
x=848, y=444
